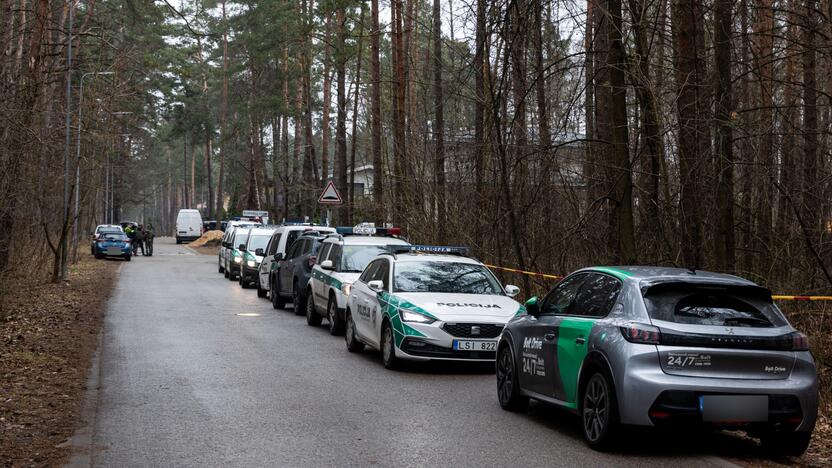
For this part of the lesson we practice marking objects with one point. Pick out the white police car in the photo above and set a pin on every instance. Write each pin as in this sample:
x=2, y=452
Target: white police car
x=427, y=302
x=340, y=260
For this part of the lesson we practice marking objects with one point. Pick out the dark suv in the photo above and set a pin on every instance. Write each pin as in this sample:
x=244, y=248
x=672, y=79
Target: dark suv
x=294, y=270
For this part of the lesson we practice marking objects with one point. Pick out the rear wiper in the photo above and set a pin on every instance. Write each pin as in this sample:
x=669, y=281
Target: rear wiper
x=746, y=321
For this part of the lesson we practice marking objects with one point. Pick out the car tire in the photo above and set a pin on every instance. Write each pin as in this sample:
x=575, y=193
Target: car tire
x=598, y=409
x=388, y=347
x=231, y=276
x=220, y=269
x=508, y=385
x=298, y=301
x=786, y=443
x=128, y=258
x=178, y=241
x=353, y=345
x=336, y=325
x=98, y=256
x=260, y=291
x=313, y=319
x=277, y=301
x=242, y=280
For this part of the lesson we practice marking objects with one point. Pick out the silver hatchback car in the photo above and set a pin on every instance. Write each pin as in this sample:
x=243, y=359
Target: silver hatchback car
x=663, y=347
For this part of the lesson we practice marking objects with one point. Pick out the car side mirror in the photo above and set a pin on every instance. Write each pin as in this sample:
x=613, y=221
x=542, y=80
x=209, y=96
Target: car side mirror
x=532, y=306
x=376, y=285
x=512, y=290
x=259, y=252
x=278, y=257
x=327, y=265
x=242, y=248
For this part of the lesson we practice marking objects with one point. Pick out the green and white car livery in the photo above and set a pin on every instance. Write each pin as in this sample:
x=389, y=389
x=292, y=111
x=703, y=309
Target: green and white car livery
x=428, y=303
x=340, y=261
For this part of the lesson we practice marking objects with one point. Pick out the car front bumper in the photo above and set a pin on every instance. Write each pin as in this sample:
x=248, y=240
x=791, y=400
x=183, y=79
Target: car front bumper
x=425, y=342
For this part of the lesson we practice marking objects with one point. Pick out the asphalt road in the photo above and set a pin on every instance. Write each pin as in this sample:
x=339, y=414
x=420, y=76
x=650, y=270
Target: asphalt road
x=185, y=380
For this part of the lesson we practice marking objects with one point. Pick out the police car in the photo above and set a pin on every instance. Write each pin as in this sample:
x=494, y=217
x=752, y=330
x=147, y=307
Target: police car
x=340, y=260
x=428, y=302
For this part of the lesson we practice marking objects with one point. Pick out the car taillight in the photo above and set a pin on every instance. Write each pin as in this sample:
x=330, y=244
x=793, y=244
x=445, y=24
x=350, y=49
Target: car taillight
x=311, y=261
x=394, y=231
x=800, y=342
x=641, y=333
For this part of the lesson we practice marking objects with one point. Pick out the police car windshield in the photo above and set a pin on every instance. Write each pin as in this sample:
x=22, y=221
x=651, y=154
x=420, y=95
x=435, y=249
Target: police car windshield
x=444, y=277
x=241, y=239
x=356, y=257
x=258, y=242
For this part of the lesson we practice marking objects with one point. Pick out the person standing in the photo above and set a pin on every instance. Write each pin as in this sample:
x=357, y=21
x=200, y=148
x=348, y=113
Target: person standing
x=148, y=239
x=139, y=244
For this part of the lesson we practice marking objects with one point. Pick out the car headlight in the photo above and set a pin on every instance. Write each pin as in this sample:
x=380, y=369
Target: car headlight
x=411, y=316
x=251, y=263
x=346, y=288
x=238, y=259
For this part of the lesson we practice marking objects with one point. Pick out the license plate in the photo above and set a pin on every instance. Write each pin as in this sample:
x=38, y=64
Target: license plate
x=734, y=408
x=472, y=345
x=113, y=251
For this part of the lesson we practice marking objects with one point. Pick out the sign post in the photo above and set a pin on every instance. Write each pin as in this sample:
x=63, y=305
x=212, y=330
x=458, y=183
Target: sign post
x=330, y=196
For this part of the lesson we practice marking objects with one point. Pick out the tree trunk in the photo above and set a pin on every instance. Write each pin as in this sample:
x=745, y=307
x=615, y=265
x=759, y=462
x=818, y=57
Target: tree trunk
x=439, y=122
x=375, y=124
x=687, y=25
x=223, y=114
x=480, y=68
x=356, y=97
x=327, y=91
x=621, y=212
x=340, y=171
x=724, y=235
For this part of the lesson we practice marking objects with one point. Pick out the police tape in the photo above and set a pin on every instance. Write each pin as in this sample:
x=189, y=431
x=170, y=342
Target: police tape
x=523, y=272
x=801, y=298
x=775, y=297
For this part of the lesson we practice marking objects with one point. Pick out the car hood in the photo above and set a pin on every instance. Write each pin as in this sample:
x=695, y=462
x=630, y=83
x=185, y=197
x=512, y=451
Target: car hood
x=345, y=277
x=463, y=307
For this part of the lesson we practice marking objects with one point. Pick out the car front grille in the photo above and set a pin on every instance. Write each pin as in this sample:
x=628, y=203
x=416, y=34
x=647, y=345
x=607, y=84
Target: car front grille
x=416, y=347
x=473, y=330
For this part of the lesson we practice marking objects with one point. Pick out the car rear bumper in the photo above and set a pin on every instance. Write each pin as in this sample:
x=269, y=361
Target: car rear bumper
x=649, y=397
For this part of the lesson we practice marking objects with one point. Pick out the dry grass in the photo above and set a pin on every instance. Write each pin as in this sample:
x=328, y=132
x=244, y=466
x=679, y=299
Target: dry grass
x=47, y=338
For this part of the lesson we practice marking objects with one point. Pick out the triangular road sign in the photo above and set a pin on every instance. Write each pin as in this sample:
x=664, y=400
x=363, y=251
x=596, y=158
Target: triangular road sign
x=330, y=195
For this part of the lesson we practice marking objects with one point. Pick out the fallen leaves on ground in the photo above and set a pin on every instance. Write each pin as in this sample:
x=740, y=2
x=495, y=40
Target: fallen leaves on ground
x=48, y=333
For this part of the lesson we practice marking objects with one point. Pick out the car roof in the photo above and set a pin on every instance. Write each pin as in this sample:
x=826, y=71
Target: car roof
x=423, y=257
x=115, y=226
x=307, y=227
x=263, y=230
x=656, y=274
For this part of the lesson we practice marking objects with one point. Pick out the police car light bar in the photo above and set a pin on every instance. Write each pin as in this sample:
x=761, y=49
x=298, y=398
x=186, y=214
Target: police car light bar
x=367, y=229
x=429, y=249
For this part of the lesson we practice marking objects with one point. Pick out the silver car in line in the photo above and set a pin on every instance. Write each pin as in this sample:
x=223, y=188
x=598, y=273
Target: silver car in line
x=663, y=347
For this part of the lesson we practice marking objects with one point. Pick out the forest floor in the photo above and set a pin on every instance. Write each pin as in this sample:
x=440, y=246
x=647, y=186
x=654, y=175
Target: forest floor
x=48, y=335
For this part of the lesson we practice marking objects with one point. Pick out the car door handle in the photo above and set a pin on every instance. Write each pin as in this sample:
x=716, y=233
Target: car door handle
x=580, y=340
x=549, y=336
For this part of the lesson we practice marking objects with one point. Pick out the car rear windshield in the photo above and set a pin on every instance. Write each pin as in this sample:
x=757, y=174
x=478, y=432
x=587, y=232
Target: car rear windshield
x=712, y=305
x=444, y=277
x=258, y=242
x=356, y=257
x=114, y=236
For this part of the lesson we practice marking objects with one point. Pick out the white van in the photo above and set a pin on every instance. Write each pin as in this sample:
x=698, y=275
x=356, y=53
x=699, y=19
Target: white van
x=188, y=225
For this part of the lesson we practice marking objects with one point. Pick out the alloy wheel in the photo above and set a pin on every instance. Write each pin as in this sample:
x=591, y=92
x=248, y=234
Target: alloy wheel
x=595, y=408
